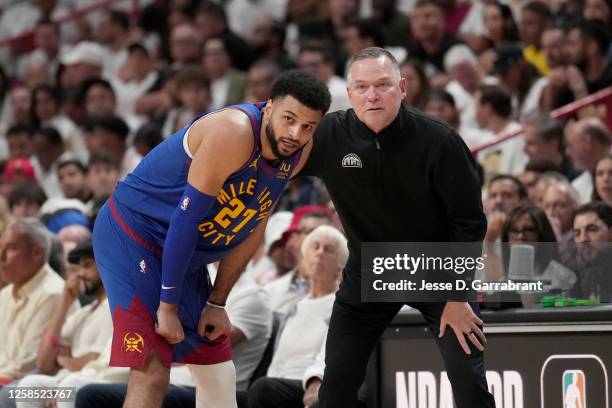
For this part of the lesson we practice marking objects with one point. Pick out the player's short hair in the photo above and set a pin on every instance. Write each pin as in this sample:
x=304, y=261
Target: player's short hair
x=308, y=90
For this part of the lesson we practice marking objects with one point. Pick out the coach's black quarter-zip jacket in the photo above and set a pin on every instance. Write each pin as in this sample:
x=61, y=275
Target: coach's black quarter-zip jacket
x=415, y=181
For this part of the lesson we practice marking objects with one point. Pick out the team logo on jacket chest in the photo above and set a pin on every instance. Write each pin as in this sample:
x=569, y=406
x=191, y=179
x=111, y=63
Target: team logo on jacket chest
x=351, y=160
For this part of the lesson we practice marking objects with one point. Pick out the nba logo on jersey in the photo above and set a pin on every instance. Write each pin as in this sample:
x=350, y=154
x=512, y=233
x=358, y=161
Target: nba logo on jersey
x=574, y=389
x=143, y=266
x=185, y=203
x=351, y=160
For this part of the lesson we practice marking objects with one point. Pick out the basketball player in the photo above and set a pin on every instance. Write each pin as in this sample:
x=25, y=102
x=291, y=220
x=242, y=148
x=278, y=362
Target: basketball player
x=201, y=196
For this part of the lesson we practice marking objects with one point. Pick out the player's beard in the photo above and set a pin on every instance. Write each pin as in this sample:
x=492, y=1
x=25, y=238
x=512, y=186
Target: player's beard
x=271, y=136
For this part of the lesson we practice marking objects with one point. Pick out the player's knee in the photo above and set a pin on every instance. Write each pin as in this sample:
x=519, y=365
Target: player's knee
x=153, y=376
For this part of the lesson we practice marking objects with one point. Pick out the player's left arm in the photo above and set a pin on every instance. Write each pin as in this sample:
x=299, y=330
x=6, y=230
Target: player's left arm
x=228, y=273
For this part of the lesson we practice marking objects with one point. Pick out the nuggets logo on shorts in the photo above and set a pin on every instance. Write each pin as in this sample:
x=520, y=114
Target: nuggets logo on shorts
x=133, y=342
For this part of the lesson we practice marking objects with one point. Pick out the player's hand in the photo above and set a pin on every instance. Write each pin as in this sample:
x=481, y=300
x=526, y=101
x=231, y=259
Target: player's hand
x=464, y=322
x=214, y=323
x=168, y=323
x=311, y=395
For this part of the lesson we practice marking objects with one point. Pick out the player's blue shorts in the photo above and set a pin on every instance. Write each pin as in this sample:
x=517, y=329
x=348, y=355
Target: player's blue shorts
x=130, y=267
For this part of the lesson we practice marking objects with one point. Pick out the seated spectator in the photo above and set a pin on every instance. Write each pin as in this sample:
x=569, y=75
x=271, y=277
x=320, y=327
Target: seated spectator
x=18, y=169
x=317, y=59
x=593, y=235
x=417, y=84
x=33, y=293
x=57, y=213
x=300, y=192
x=521, y=79
x=72, y=176
x=441, y=105
x=324, y=253
x=226, y=83
x=588, y=140
x=586, y=47
x=431, y=40
x=70, y=342
x=529, y=225
x=49, y=152
x=287, y=290
x=535, y=17
x=72, y=236
x=260, y=77
x=531, y=175
x=108, y=134
x=102, y=175
x=494, y=118
x=146, y=138
x=559, y=201
x=465, y=79
x=275, y=248
x=25, y=199
x=20, y=101
x=363, y=33
x=505, y=193
x=99, y=97
x=544, y=140
x=500, y=27
x=602, y=190
x=193, y=90
x=46, y=112
x=19, y=140
x=135, y=77
x=268, y=42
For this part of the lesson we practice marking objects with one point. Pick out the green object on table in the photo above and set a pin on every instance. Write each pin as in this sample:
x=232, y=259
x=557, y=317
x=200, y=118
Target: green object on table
x=559, y=301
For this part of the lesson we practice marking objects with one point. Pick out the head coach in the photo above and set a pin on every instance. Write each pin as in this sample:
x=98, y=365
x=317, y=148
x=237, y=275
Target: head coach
x=396, y=175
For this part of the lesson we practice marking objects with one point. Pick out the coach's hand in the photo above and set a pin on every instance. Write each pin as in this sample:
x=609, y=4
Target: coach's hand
x=464, y=322
x=214, y=323
x=168, y=323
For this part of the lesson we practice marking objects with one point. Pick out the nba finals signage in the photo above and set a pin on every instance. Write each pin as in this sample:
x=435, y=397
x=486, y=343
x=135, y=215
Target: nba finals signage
x=523, y=371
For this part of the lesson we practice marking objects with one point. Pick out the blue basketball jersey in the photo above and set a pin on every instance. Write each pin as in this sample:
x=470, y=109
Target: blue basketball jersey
x=149, y=195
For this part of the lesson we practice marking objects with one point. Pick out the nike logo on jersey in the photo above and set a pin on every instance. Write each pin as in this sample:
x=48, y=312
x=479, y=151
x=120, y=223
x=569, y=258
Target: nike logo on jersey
x=167, y=287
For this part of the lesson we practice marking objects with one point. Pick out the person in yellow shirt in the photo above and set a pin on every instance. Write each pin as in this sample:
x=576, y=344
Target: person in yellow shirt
x=535, y=18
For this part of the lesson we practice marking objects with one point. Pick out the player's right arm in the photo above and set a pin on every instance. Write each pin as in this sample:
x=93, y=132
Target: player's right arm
x=221, y=143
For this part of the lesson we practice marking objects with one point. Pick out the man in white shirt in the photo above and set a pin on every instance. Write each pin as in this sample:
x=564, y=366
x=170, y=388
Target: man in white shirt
x=287, y=290
x=27, y=303
x=71, y=342
x=586, y=141
x=325, y=253
x=494, y=115
x=317, y=60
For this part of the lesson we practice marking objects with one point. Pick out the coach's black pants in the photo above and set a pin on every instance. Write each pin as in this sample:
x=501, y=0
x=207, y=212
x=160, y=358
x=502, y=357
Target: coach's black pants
x=354, y=331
